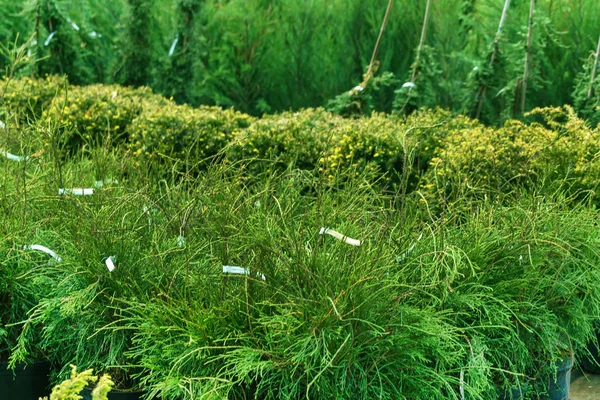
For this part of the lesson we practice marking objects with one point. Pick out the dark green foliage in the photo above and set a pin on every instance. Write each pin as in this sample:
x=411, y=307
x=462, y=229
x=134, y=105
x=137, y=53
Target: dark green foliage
x=259, y=57
x=587, y=92
x=189, y=51
x=137, y=68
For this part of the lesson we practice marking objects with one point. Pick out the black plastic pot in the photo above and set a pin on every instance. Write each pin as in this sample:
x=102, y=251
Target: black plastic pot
x=590, y=362
x=559, y=389
x=113, y=395
x=25, y=382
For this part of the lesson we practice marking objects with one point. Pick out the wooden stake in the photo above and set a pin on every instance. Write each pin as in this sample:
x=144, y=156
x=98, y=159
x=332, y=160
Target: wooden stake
x=527, y=56
x=421, y=42
x=483, y=88
x=370, y=72
x=594, y=70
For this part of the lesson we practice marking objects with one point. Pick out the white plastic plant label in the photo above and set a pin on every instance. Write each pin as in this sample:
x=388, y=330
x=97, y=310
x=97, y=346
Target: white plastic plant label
x=74, y=25
x=110, y=264
x=409, y=85
x=50, y=36
x=2, y=125
x=94, y=35
x=43, y=249
x=173, y=46
x=76, y=191
x=231, y=269
x=180, y=241
x=356, y=89
x=339, y=236
x=13, y=157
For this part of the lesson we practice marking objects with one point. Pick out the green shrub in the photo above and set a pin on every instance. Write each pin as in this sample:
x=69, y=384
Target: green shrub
x=97, y=114
x=557, y=152
x=183, y=133
x=328, y=321
x=519, y=280
x=25, y=99
x=275, y=142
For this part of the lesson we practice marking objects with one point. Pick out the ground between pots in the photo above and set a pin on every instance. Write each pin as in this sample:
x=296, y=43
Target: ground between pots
x=584, y=386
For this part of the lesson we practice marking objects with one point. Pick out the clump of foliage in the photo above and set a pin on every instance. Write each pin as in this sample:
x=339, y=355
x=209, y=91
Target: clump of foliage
x=97, y=114
x=28, y=98
x=586, y=94
x=184, y=134
x=275, y=142
x=558, y=152
x=70, y=389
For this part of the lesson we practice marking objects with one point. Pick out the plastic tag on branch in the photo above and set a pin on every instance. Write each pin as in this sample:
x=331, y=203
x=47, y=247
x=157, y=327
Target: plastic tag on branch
x=409, y=85
x=231, y=269
x=180, y=241
x=50, y=36
x=2, y=125
x=94, y=35
x=110, y=264
x=173, y=46
x=13, y=157
x=76, y=191
x=339, y=236
x=356, y=89
x=74, y=25
x=43, y=249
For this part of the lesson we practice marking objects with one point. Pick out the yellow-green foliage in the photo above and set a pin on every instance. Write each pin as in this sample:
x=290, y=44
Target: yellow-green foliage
x=384, y=143
x=94, y=114
x=25, y=99
x=559, y=150
x=71, y=389
x=368, y=143
x=290, y=138
x=183, y=132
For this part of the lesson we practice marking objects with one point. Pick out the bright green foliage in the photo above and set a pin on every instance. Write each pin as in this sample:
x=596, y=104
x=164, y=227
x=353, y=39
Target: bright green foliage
x=19, y=292
x=326, y=321
x=70, y=389
x=506, y=273
x=454, y=287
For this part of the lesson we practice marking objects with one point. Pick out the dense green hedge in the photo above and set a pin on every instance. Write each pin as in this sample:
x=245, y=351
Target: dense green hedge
x=432, y=150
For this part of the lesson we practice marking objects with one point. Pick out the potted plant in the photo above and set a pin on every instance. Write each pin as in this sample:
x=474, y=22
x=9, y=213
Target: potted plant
x=19, y=292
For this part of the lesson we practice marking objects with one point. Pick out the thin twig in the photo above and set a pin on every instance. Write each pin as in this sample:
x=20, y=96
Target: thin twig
x=483, y=88
x=421, y=41
x=527, y=56
x=370, y=70
x=594, y=70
